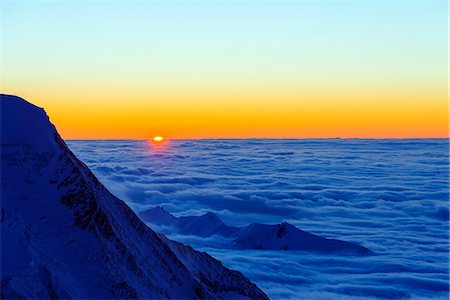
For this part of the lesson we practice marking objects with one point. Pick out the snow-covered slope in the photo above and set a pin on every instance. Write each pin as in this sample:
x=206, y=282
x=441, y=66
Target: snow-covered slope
x=63, y=235
x=254, y=236
x=210, y=271
x=285, y=236
x=204, y=225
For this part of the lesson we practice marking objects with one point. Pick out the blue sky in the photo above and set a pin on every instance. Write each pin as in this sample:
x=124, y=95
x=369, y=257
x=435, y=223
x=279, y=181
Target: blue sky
x=227, y=59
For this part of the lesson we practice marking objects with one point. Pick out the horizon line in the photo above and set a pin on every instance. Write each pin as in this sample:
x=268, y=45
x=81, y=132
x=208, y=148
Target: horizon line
x=269, y=138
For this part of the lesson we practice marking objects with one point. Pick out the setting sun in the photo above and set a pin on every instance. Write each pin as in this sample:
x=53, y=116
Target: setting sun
x=158, y=138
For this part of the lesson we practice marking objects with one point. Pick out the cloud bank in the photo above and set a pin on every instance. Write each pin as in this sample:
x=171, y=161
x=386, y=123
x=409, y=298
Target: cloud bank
x=388, y=195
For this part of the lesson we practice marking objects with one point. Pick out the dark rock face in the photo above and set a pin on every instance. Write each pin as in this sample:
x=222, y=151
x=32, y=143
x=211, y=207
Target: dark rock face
x=282, y=231
x=65, y=236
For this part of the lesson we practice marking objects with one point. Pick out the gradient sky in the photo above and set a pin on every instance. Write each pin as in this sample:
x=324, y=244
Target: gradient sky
x=217, y=69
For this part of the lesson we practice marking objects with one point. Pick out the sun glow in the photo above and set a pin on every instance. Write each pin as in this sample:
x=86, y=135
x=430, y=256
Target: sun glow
x=158, y=138
x=369, y=93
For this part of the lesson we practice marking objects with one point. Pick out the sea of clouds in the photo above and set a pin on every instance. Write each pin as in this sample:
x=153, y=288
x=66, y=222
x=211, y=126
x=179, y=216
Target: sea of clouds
x=391, y=196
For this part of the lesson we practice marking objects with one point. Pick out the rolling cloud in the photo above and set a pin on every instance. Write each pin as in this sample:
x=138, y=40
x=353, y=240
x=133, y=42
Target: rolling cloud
x=388, y=195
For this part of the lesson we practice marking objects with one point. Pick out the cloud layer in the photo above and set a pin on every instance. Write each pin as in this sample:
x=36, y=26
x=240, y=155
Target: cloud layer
x=388, y=195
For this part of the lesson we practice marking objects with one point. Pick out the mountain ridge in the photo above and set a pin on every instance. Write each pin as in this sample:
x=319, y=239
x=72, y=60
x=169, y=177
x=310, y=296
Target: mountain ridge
x=284, y=236
x=64, y=235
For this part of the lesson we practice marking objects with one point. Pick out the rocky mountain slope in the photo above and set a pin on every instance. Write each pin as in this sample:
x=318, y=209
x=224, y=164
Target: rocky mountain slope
x=64, y=235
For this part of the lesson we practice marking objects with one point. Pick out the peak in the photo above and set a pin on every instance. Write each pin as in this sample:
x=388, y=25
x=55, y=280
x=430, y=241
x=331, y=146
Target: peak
x=157, y=215
x=211, y=218
x=287, y=225
x=283, y=229
x=157, y=209
x=24, y=124
x=211, y=215
x=18, y=103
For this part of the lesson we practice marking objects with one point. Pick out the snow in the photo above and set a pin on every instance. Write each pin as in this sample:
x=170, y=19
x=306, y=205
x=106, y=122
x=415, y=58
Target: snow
x=254, y=236
x=26, y=124
x=64, y=235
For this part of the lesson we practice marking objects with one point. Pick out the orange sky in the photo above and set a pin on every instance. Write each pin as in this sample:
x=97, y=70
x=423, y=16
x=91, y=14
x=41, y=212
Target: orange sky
x=373, y=113
x=238, y=70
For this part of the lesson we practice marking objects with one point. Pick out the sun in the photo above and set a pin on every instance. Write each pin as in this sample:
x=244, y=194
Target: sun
x=158, y=138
